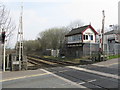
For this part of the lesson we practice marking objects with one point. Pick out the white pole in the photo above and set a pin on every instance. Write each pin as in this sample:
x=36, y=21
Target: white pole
x=7, y=67
x=4, y=57
x=103, y=22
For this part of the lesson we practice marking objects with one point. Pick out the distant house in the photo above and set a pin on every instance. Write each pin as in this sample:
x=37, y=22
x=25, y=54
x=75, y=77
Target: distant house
x=112, y=39
x=81, y=41
x=112, y=35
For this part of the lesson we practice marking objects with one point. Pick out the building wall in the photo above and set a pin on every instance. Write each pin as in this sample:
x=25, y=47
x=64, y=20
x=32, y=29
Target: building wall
x=113, y=47
x=74, y=52
x=89, y=32
x=74, y=39
x=86, y=49
x=110, y=36
x=90, y=48
x=117, y=48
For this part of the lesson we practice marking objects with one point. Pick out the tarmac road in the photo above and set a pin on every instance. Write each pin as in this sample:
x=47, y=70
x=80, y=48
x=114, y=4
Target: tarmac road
x=100, y=75
x=87, y=79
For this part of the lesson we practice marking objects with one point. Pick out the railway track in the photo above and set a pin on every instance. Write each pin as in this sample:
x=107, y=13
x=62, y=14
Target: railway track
x=36, y=60
x=43, y=63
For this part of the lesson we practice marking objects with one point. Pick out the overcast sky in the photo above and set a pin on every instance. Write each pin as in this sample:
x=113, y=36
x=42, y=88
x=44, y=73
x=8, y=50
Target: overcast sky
x=39, y=15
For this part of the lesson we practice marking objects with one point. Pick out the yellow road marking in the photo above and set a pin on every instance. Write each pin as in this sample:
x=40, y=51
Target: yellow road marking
x=112, y=64
x=24, y=77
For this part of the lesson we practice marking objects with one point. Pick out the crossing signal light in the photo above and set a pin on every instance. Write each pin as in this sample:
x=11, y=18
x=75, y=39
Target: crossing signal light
x=3, y=37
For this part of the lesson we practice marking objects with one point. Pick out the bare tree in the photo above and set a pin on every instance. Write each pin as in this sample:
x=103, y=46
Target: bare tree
x=31, y=46
x=52, y=38
x=6, y=23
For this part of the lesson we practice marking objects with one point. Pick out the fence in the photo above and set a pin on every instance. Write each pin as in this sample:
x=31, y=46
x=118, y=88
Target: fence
x=113, y=49
x=51, y=52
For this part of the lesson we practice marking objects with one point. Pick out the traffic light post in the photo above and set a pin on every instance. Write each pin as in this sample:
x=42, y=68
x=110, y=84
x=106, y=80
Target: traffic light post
x=2, y=39
x=4, y=57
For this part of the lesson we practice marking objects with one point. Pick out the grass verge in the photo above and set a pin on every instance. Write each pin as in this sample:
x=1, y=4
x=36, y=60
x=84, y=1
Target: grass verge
x=113, y=56
x=69, y=59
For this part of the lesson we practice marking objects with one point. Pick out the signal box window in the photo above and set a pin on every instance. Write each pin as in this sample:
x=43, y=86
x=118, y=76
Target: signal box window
x=85, y=37
x=91, y=37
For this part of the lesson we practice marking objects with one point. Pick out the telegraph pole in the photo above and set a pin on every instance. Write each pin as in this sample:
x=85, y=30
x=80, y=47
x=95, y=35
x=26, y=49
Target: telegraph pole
x=101, y=38
x=102, y=32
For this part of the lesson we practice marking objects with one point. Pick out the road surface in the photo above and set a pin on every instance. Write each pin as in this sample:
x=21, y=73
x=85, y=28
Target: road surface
x=100, y=75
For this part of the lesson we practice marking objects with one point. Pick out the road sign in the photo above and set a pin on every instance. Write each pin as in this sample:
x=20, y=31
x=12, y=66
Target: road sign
x=15, y=62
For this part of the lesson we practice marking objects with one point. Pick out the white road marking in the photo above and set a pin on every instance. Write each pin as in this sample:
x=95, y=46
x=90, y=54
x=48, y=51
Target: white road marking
x=73, y=83
x=87, y=81
x=92, y=80
x=95, y=72
x=81, y=83
x=105, y=65
x=99, y=65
